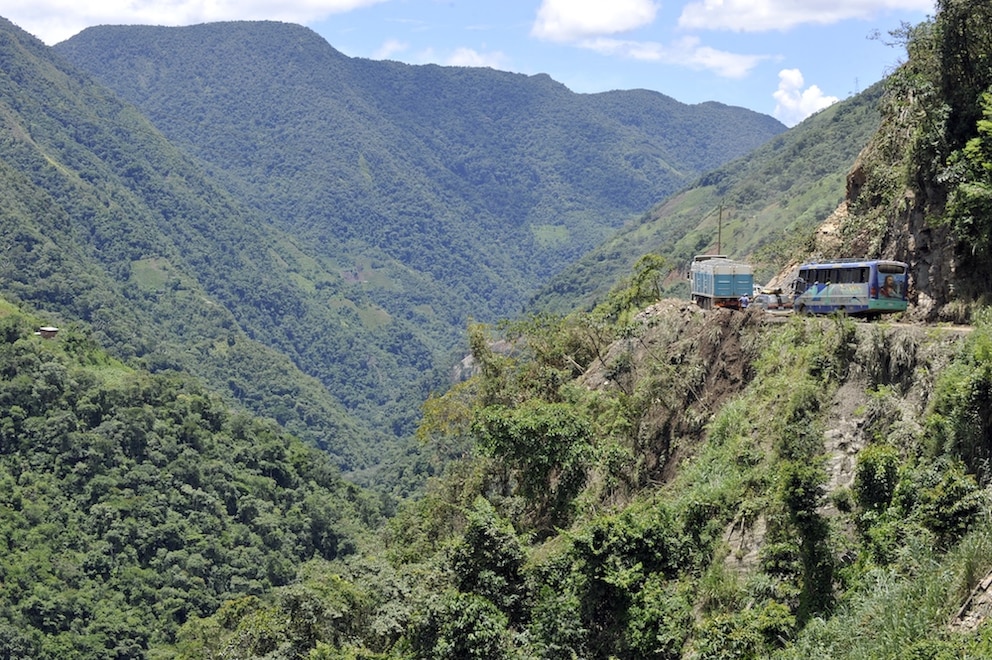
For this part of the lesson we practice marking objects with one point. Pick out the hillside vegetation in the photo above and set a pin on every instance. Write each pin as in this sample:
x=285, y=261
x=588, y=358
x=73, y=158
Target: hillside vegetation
x=681, y=485
x=763, y=207
x=306, y=232
x=671, y=483
x=131, y=502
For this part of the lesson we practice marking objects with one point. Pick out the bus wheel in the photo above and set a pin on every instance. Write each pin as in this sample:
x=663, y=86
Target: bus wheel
x=802, y=310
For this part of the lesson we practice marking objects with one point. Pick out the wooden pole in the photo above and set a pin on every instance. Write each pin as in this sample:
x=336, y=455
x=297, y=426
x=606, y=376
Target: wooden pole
x=719, y=232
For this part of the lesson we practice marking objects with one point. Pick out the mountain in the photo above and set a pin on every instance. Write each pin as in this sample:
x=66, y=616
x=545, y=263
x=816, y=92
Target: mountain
x=104, y=221
x=762, y=207
x=310, y=233
x=666, y=482
x=430, y=165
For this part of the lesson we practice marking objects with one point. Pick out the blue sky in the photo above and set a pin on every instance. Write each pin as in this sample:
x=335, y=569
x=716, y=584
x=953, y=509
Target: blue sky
x=785, y=58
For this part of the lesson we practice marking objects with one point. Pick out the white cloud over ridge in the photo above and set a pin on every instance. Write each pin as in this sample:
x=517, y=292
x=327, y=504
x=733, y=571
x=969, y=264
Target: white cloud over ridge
x=590, y=24
x=460, y=57
x=53, y=21
x=763, y=15
x=389, y=48
x=686, y=52
x=571, y=20
x=471, y=57
x=793, y=103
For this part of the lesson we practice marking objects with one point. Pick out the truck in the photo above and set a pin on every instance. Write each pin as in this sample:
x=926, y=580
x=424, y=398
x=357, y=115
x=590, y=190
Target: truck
x=717, y=281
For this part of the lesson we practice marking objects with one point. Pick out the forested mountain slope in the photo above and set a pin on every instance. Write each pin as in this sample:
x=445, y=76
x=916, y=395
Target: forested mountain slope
x=768, y=202
x=104, y=221
x=130, y=503
x=431, y=165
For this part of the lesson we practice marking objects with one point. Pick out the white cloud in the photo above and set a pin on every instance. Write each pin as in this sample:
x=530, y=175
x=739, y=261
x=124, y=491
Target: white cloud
x=569, y=20
x=761, y=15
x=389, y=48
x=686, y=52
x=462, y=57
x=469, y=57
x=793, y=103
x=53, y=21
x=590, y=23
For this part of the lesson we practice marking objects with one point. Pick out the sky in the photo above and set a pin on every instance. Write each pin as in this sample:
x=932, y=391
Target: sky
x=785, y=58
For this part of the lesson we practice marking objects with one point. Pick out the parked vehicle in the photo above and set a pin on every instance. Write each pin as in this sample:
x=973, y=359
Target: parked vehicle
x=767, y=301
x=858, y=288
x=716, y=281
x=772, y=299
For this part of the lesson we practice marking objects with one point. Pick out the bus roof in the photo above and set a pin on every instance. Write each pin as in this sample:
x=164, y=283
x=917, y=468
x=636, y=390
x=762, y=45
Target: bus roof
x=851, y=263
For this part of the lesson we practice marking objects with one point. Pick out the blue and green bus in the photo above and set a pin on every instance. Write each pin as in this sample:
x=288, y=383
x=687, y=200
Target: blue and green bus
x=857, y=288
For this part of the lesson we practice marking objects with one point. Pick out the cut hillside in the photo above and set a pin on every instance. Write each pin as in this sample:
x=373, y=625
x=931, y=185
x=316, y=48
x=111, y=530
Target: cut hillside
x=921, y=190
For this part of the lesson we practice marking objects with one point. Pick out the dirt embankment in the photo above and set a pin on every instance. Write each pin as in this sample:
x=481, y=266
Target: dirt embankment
x=682, y=365
x=685, y=364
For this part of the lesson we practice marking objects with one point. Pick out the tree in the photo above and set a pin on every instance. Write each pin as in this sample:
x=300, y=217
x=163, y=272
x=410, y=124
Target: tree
x=546, y=444
x=970, y=205
x=458, y=626
x=643, y=287
x=489, y=561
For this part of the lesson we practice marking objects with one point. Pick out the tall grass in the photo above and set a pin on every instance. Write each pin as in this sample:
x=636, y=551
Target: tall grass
x=904, y=611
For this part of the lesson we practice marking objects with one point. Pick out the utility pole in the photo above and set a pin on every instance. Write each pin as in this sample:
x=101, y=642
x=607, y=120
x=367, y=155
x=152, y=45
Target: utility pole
x=719, y=232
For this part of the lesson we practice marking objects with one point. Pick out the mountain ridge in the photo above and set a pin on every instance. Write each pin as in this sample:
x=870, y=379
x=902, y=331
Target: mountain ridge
x=458, y=117
x=400, y=201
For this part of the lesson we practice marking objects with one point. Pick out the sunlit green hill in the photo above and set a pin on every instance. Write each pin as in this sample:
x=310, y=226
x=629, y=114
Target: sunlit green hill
x=761, y=207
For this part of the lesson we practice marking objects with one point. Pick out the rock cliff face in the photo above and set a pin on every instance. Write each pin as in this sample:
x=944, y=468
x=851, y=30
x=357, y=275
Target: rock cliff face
x=931, y=253
x=909, y=234
x=884, y=218
x=920, y=191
